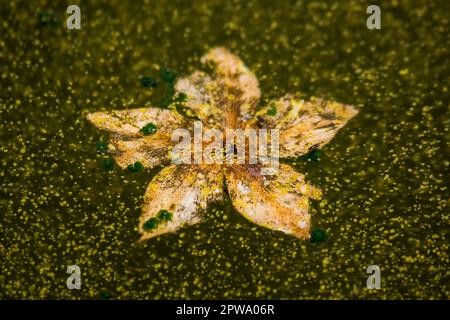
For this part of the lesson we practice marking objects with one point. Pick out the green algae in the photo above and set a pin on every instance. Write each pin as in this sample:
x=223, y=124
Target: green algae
x=318, y=235
x=149, y=129
x=168, y=75
x=101, y=146
x=108, y=164
x=151, y=224
x=162, y=217
x=135, y=167
x=148, y=82
x=313, y=155
x=272, y=110
x=165, y=215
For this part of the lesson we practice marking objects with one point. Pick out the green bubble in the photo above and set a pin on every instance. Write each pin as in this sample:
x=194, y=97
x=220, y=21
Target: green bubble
x=135, y=167
x=106, y=295
x=108, y=164
x=101, y=146
x=165, y=215
x=168, y=75
x=151, y=224
x=318, y=235
x=314, y=155
x=148, y=129
x=169, y=97
x=272, y=110
x=148, y=82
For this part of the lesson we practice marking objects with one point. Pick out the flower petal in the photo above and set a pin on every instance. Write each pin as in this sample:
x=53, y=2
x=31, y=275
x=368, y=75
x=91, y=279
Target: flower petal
x=303, y=124
x=129, y=122
x=233, y=73
x=203, y=96
x=276, y=202
x=227, y=98
x=150, y=151
x=182, y=190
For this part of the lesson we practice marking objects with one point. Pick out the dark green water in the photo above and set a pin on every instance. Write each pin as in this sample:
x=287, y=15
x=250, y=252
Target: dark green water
x=385, y=176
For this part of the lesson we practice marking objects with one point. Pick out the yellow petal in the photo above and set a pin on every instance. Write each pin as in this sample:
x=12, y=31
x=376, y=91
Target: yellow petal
x=226, y=98
x=182, y=190
x=277, y=202
x=203, y=96
x=240, y=87
x=303, y=124
x=232, y=70
x=150, y=151
x=128, y=122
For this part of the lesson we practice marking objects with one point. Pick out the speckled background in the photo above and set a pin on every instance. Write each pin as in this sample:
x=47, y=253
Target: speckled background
x=385, y=176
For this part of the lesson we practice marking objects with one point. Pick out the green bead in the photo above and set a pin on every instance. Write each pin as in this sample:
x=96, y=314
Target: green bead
x=314, y=155
x=272, y=110
x=106, y=295
x=135, y=167
x=148, y=82
x=138, y=166
x=101, y=146
x=166, y=101
x=148, y=129
x=169, y=96
x=108, y=164
x=151, y=224
x=165, y=215
x=318, y=235
x=168, y=75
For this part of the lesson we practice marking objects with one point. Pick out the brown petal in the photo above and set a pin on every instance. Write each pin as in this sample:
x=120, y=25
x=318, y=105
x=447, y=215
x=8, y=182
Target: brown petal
x=303, y=124
x=182, y=190
x=225, y=99
x=276, y=202
x=203, y=97
x=240, y=87
x=128, y=122
x=150, y=151
x=232, y=71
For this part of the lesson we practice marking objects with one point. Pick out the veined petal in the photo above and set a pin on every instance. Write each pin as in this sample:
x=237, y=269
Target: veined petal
x=129, y=122
x=228, y=97
x=232, y=71
x=303, y=124
x=150, y=151
x=277, y=202
x=182, y=192
x=203, y=96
